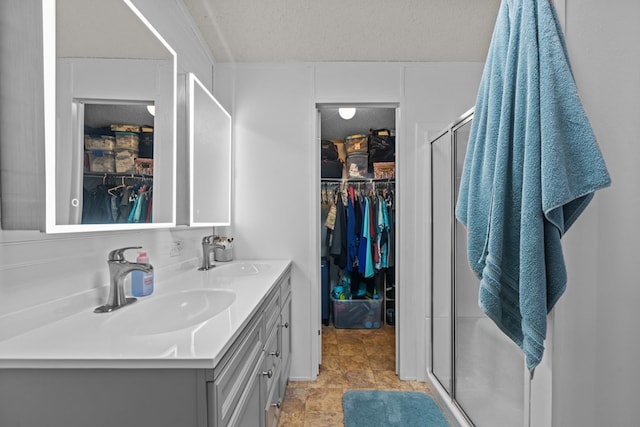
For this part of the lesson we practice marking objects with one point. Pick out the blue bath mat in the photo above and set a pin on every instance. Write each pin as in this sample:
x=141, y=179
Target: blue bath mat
x=391, y=408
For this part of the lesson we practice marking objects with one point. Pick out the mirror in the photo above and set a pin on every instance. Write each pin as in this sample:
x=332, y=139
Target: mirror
x=112, y=162
x=209, y=127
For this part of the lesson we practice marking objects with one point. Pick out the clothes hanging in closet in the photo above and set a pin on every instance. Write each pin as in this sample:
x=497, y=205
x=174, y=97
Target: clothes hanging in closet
x=361, y=240
x=108, y=203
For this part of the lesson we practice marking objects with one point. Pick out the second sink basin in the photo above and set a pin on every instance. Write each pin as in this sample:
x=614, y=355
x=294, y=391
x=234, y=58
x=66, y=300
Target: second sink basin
x=170, y=312
x=240, y=269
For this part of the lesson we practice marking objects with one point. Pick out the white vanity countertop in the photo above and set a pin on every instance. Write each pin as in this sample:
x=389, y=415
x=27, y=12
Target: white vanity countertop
x=85, y=340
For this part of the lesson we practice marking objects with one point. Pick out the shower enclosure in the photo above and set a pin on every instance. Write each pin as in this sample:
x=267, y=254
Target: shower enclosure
x=478, y=367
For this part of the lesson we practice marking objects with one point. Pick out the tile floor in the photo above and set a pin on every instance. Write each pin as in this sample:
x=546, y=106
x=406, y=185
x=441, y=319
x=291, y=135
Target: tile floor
x=351, y=359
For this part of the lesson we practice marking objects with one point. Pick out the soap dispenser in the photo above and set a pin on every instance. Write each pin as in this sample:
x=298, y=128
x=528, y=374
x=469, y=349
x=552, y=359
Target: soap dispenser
x=141, y=282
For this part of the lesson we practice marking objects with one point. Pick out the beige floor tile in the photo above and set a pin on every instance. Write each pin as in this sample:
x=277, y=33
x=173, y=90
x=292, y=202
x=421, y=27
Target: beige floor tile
x=329, y=349
x=354, y=362
x=295, y=419
x=330, y=363
x=388, y=380
x=351, y=349
x=323, y=419
x=330, y=380
x=361, y=359
x=360, y=379
x=324, y=400
x=295, y=400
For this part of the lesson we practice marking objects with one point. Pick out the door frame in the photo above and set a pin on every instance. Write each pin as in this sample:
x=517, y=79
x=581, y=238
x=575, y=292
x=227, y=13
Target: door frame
x=316, y=294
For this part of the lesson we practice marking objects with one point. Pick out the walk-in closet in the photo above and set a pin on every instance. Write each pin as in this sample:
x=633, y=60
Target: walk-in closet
x=358, y=217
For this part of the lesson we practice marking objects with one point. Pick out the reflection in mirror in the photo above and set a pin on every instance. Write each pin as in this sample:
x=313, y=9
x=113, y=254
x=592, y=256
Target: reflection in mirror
x=113, y=160
x=209, y=158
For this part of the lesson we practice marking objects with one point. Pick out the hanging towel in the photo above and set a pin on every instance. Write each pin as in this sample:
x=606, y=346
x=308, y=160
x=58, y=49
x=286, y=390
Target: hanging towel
x=532, y=166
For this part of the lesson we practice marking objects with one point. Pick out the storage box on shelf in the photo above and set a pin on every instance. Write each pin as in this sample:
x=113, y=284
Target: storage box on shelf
x=384, y=170
x=125, y=160
x=358, y=165
x=100, y=161
x=127, y=140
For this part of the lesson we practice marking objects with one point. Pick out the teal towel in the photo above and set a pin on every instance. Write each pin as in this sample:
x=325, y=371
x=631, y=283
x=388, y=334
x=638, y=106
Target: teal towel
x=532, y=166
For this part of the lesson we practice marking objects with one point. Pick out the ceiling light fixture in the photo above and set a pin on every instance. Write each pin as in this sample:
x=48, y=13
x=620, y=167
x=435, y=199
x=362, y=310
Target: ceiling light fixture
x=347, y=113
x=151, y=109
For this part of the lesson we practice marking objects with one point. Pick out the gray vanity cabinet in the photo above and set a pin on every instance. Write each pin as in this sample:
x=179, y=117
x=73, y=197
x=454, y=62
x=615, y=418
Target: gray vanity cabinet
x=249, y=383
x=285, y=333
x=277, y=350
x=236, y=385
x=244, y=388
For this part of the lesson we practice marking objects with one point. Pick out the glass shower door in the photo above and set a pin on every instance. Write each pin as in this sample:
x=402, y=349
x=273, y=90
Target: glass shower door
x=488, y=367
x=476, y=364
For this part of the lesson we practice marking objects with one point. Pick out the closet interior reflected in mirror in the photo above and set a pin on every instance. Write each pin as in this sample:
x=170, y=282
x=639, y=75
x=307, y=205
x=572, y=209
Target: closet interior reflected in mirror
x=118, y=161
x=114, y=161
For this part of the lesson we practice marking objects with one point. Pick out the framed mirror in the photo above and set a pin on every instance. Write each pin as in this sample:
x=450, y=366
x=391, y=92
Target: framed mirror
x=111, y=153
x=209, y=130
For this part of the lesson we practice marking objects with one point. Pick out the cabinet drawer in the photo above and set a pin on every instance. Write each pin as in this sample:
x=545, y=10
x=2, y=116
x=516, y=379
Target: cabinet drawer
x=285, y=288
x=272, y=358
x=274, y=401
x=237, y=372
x=272, y=311
x=285, y=340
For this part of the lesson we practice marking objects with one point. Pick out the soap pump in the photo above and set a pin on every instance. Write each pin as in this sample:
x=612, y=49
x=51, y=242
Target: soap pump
x=141, y=282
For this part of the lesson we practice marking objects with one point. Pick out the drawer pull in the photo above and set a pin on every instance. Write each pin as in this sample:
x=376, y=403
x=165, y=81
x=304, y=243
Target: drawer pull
x=285, y=325
x=278, y=404
x=275, y=353
x=268, y=373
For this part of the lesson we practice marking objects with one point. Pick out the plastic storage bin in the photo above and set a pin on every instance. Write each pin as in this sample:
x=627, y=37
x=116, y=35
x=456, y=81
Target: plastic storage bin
x=358, y=165
x=357, y=313
x=125, y=160
x=101, y=161
x=99, y=142
x=128, y=140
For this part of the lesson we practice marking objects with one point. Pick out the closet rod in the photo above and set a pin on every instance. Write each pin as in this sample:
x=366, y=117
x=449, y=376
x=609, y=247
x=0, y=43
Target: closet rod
x=357, y=180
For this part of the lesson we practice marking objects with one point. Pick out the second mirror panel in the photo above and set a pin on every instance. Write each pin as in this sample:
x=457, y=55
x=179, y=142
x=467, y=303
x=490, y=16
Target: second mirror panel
x=209, y=128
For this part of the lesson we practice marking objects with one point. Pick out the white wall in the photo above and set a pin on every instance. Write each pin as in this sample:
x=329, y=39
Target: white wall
x=596, y=379
x=276, y=204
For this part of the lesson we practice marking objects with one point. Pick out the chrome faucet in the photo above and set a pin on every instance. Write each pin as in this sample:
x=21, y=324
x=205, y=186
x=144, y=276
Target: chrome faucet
x=207, y=249
x=119, y=268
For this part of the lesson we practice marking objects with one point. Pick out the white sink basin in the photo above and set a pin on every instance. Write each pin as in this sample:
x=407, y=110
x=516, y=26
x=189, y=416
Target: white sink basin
x=240, y=269
x=170, y=312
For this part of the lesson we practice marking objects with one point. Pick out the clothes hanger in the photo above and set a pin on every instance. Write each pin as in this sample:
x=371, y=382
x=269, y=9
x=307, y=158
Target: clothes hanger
x=112, y=190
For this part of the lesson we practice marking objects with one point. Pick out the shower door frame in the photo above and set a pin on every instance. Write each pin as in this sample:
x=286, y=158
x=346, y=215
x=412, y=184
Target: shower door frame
x=449, y=389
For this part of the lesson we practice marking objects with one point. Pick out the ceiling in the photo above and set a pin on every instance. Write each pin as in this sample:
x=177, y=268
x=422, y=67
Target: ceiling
x=345, y=30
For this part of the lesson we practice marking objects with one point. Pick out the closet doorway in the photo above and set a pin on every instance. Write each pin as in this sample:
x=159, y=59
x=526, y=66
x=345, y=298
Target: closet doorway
x=357, y=225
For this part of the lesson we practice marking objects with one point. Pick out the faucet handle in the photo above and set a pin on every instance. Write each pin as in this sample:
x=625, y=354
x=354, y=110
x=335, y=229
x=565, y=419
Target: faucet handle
x=118, y=254
x=208, y=239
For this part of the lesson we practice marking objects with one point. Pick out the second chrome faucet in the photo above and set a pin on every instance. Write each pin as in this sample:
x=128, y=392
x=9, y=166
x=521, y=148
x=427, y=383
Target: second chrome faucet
x=208, y=247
